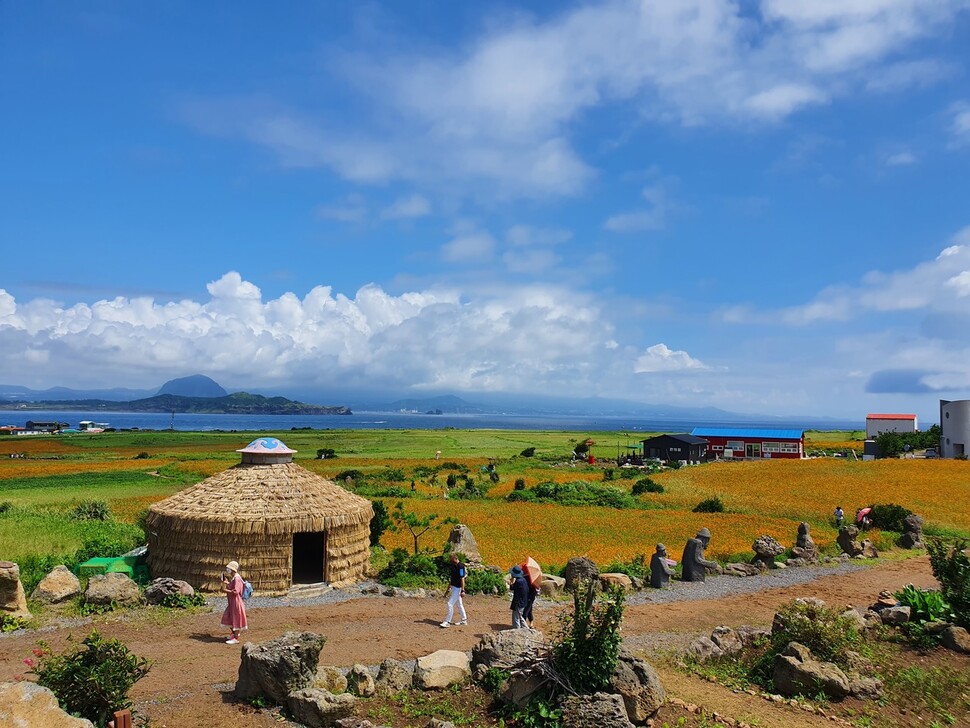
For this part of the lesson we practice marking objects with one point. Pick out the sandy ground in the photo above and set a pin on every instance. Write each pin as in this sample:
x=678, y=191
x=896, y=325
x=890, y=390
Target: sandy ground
x=192, y=665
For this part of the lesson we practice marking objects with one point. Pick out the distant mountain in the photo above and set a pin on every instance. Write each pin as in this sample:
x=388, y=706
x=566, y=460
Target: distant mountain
x=240, y=403
x=16, y=393
x=197, y=385
x=445, y=404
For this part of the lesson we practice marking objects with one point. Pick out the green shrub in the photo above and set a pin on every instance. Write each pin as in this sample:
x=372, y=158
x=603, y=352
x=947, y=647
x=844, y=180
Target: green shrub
x=582, y=493
x=326, y=453
x=355, y=475
x=91, y=510
x=588, y=645
x=449, y=465
x=638, y=566
x=951, y=567
x=519, y=484
x=824, y=630
x=528, y=452
x=647, y=485
x=5, y=507
x=523, y=496
x=493, y=679
x=390, y=475
x=379, y=523
x=710, y=505
x=608, y=474
x=94, y=681
x=889, y=517
x=388, y=491
x=538, y=713
x=452, y=480
x=484, y=581
x=183, y=601
x=9, y=623
x=142, y=456
x=411, y=571
x=108, y=544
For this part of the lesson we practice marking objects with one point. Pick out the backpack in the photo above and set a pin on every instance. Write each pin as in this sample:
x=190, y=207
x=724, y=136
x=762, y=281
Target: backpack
x=247, y=590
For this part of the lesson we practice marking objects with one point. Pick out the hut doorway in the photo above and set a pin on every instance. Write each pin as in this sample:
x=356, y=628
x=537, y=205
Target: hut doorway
x=309, y=557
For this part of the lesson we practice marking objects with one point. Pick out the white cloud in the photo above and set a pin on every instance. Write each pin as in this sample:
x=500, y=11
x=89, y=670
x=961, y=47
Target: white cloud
x=350, y=209
x=408, y=207
x=469, y=248
x=901, y=159
x=528, y=236
x=960, y=124
x=660, y=358
x=662, y=206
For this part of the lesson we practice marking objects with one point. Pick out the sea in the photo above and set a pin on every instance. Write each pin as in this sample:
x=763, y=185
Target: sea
x=404, y=421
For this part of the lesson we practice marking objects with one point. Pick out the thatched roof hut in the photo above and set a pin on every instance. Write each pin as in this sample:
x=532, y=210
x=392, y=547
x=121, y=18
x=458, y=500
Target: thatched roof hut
x=284, y=525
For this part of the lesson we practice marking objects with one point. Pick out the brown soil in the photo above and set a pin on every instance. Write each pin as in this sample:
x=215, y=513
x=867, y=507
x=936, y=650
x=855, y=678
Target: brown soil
x=193, y=669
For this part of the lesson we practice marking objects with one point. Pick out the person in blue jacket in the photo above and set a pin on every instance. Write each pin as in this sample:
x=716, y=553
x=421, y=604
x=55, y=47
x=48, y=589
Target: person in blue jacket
x=520, y=597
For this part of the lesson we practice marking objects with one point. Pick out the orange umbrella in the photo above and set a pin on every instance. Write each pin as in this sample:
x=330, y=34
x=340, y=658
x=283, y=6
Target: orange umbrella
x=532, y=572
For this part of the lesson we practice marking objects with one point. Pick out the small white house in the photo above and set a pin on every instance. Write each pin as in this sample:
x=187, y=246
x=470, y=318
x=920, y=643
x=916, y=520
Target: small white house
x=890, y=423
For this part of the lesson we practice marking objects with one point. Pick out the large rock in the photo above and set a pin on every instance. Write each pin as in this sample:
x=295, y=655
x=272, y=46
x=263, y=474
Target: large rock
x=617, y=579
x=441, y=669
x=331, y=679
x=804, y=548
x=462, y=541
x=797, y=672
x=869, y=550
x=279, y=667
x=13, y=600
x=393, y=676
x=956, y=639
x=521, y=687
x=729, y=641
x=638, y=684
x=601, y=710
x=894, y=615
x=580, y=569
x=319, y=709
x=848, y=540
x=26, y=704
x=912, y=537
x=117, y=588
x=703, y=649
x=360, y=682
x=58, y=586
x=503, y=650
x=162, y=587
x=735, y=569
x=552, y=586
x=766, y=549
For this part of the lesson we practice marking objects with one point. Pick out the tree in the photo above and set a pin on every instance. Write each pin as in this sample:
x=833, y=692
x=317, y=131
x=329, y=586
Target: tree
x=379, y=523
x=415, y=525
x=889, y=444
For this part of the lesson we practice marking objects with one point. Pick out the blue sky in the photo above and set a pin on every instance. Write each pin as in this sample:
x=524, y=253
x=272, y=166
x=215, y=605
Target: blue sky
x=759, y=206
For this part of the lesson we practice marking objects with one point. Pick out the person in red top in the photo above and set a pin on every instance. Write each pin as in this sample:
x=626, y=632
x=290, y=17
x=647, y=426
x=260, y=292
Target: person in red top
x=235, y=615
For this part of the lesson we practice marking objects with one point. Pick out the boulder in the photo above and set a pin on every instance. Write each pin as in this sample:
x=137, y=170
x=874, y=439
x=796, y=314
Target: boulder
x=162, y=587
x=797, y=672
x=621, y=580
x=319, y=709
x=766, y=549
x=865, y=688
x=600, y=710
x=438, y=723
x=462, y=541
x=504, y=649
x=912, y=537
x=355, y=722
x=552, y=586
x=872, y=619
x=58, y=586
x=753, y=636
x=868, y=550
x=956, y=639
x=331, y=679
x=28, y=704
x=727, y=640
x=742, y=569
x=703, y=649
x=848, y=540
x=520, y=687
x=579, y=569
x=441, y=669
x=638, y=684
x=393, y=676
x=103, y=589
x=852, y=615
x=894, y=615
x=360, y=682
x=279, y=667
x=13, y=600
x=804, y=549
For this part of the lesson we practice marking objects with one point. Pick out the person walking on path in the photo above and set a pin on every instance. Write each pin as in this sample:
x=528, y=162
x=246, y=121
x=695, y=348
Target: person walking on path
x=530, y=602
x=520, y=597
x=839, y=516
x=235, y=615
x=456, y=591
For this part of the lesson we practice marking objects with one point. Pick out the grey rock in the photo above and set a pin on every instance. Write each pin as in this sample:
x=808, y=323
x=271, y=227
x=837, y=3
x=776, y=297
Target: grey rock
x=600, y=710
x=438, y=723
x=797, y=672
x=935, y=627
x=703, y=649
x=58, y=586
x=319, y=709
x=894, y=615
x=355, y=722
x=462, y=541
x=441, y=669
x=848, y=540
x=753, y=636
x=580, y=569
x=857, y=620
x=279, y=667
x=370, y=589
x=520, y=687
x=742, y=569
x=868, y=550
x=727, y=640
x=638, y=684
x=13, y=600
x=331, y=679
x=865, y=688
x=162, y=587
x=956, y=639
x=552, y=586
x=767, y=547
x=507, y=648
x=26, y=705
x=393, y=676
x=103, y=589
x=620, y=580
x=871, y=619
x=912, y=537
x=360, y=682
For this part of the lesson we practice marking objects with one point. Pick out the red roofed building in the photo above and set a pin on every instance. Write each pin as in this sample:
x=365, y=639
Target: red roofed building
x=890, y=423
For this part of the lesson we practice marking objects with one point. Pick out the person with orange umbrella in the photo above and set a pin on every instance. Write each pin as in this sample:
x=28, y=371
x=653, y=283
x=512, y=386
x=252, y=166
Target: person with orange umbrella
x=533, y=575
x=520, y=596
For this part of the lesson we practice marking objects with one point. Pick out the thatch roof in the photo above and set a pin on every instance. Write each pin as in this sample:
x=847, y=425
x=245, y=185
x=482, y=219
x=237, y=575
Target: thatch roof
x=260, y=499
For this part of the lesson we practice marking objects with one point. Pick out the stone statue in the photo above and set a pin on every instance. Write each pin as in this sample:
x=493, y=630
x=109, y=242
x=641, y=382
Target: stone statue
x=660, y=568
x=694, y=564
x=912, y=532
x=805, y=548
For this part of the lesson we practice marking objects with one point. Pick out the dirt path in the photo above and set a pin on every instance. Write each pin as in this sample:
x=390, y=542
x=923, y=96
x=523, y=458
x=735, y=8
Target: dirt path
x=192, y=663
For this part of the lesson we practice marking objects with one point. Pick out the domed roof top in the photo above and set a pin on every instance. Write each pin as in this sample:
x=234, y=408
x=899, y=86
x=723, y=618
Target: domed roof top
x=267, y=446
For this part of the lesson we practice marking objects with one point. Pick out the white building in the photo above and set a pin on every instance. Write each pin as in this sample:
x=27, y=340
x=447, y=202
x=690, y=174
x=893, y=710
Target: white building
x=954, y=427
x=890, y=423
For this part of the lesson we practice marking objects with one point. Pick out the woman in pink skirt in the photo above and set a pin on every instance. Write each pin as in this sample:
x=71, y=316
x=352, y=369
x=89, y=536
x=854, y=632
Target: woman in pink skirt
x=235, y=615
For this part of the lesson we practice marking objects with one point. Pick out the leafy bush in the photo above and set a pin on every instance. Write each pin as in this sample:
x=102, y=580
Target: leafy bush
x=925, y=606
x=411, y=571
x=390, y=475
x=538, y=713
x=824, y=630
x=379, y=523
x=608, y=474
x=493, y=679
x=92, y=682
x=449, y=465
x=484, y=581
x=528, y=452
x=326, y=453
x=5, y=506
x=452, y=480
x=91, y=510
x=183, y=601
x=638, y=566
x=108, y=544
x=889, y=517
x=519, y=484
x=388, y=491
x=580, y=493
x=521, y=496
x=9, y=623
x=951, y=567
x=647, y=485
x=710, y=505
x=588, y=645
x=355, y=475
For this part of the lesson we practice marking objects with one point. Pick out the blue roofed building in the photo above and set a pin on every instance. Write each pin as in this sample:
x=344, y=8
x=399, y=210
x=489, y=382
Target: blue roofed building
x=752, y=442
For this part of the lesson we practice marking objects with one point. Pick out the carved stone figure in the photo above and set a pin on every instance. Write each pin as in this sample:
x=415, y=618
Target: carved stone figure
x=804, y=547
x=694, y=564
x=912, y=537
x=660, y=569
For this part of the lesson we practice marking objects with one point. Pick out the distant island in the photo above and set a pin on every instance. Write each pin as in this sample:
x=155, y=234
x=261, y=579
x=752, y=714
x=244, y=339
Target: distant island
x=196, y=394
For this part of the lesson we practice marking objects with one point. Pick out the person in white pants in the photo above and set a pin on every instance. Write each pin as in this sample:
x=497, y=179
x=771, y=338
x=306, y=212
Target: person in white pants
x=455, y=592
